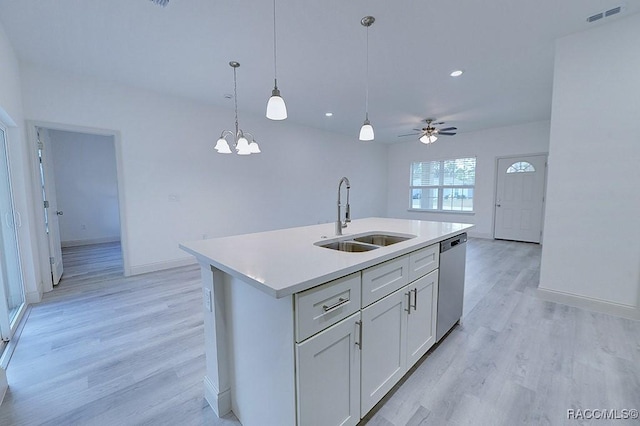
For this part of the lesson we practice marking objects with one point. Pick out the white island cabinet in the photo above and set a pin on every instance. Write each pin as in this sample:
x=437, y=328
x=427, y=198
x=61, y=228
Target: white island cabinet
x=298, y=334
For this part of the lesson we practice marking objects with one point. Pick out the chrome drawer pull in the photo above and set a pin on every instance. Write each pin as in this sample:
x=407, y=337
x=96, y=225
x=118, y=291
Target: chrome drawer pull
x=341, y=301
x=359, y=342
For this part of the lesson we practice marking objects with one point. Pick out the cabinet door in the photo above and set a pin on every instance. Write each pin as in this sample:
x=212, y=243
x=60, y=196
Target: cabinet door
x=384, y=326
x=421, y=324
x=328, y=375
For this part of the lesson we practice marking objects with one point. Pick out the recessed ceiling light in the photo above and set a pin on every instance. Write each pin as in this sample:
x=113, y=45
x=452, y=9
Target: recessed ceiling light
x=456, y=73
x=328, y=114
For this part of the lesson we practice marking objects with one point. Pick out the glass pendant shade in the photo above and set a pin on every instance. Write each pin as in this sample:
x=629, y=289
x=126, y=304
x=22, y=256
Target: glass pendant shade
x=276, y=108
x=222, y=146
x=254, y=148
x=366, y=131
x=428, y=138
x=243, y=146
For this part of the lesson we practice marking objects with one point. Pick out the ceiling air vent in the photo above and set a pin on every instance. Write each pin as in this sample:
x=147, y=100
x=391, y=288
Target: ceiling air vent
x=613, y=11
x=595, y=17
x=605, y=14
x=162, y=3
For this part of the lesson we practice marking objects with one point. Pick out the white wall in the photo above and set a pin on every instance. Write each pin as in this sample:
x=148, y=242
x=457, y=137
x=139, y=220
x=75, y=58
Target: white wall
x=11, y=112
x=11, y=116
x=167, y=153
x=485, y=145
x=84, y=166
x=592, y=225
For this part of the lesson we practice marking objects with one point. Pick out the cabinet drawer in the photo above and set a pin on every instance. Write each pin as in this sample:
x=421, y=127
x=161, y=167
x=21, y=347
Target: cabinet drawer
x=423, y=261
x=326, y=304
x=383, y=279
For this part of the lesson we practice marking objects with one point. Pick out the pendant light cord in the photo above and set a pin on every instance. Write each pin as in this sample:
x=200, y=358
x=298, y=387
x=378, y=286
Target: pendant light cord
x=367, y=91
x=275, y=47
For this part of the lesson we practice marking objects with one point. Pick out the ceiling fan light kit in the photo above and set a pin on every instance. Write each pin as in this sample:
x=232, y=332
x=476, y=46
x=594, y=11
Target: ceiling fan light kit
x=429, y=134
x=427, y=139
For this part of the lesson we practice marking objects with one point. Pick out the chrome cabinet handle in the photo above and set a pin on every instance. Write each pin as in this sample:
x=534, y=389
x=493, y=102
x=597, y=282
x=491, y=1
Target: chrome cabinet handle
x=415, y=299
x=408, y=309
x=359, y=341
x=341, y=301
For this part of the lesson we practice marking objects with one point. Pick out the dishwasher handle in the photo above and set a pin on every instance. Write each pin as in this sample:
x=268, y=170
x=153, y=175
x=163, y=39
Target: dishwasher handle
x=453, y=242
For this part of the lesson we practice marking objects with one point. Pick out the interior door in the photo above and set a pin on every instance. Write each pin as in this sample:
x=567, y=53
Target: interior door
x=520, y=198
x=11, y=284
x=51, y=211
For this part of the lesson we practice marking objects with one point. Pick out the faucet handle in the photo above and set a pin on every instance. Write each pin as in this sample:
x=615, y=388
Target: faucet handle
x=347, y=214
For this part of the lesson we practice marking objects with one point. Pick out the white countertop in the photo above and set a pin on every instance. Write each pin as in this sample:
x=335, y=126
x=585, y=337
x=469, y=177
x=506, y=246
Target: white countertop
x=286, y=261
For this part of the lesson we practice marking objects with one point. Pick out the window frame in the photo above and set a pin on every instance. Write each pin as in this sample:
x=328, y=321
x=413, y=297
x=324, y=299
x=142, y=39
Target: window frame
x=441, y=187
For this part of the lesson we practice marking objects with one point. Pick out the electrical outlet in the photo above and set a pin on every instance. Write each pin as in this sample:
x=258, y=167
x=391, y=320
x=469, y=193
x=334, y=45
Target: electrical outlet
x=207, y=299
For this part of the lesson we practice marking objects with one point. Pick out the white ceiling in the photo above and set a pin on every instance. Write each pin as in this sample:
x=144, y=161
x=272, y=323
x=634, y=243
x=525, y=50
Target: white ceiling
x=506, y=48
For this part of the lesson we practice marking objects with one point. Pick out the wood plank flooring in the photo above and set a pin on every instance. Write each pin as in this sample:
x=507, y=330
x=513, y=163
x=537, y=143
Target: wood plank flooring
x=102, y=349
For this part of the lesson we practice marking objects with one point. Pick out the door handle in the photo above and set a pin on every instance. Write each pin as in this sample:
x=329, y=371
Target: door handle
x=359, y=341
x=415, y=298
x=408, y=308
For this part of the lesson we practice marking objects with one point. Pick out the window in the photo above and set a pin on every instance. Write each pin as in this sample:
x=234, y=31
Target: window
x=445, y=185
x=521, y=167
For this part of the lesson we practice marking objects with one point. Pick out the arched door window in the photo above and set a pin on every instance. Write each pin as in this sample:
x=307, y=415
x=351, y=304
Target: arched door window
x=521, y=167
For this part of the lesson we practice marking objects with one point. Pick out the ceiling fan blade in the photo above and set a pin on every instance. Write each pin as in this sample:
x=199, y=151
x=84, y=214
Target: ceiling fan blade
x=446, y=129
x=446, y=133
x=409, y=134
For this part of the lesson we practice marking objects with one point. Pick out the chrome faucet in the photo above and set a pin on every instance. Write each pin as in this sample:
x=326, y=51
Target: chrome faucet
x=347, y=212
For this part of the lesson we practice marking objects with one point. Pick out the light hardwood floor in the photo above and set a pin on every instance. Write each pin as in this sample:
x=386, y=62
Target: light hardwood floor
x=106, y=350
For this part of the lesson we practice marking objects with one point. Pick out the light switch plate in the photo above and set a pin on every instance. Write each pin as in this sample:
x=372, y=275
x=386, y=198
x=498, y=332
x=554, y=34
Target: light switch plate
x=207, y=299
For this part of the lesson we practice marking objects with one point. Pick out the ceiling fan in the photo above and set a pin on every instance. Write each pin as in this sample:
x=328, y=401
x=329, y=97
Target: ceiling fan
x=430, y=133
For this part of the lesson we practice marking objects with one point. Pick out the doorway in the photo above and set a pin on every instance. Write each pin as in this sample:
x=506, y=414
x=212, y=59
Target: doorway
x=80, y=188
x=519, y=206
x=12, y=295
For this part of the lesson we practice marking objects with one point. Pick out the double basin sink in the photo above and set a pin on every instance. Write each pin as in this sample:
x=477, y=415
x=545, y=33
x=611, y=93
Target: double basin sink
x=364, y=242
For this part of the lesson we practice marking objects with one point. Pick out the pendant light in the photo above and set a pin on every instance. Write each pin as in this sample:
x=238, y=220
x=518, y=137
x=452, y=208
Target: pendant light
x=366, y=131
x=276, y=109
x=239, y=138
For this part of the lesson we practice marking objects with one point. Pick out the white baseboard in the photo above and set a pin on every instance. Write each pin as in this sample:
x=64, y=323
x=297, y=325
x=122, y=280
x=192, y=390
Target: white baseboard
x=220, y=402
x=590, y=304
x=480, y=235
x=4, y=385
x=160, y=266
x=75, y=243
x=33, y=297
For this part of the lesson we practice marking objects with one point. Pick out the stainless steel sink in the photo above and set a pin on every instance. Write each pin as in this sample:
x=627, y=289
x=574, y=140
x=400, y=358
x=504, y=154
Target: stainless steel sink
x=365, y=242
x=381, y=240
x=349, y=246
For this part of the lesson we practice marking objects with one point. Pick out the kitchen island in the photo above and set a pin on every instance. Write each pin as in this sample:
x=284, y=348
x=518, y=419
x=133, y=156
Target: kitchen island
x=290, y=325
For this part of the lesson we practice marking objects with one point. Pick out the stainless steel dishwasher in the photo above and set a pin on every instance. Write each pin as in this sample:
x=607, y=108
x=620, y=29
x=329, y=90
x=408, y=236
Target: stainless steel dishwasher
x=451, y=283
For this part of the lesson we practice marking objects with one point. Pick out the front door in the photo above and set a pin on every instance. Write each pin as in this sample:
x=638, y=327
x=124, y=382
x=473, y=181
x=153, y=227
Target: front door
x=520, y=198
